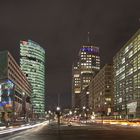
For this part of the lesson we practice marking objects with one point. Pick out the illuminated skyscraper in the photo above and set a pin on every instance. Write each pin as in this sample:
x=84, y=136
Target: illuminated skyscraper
x=85, y=68
x=127, y=79
x=89, y=61
x=76, y=84
x=32, y=63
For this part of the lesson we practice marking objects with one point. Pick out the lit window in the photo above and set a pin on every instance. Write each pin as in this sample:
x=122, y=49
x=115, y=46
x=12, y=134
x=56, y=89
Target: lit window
x=130, y=54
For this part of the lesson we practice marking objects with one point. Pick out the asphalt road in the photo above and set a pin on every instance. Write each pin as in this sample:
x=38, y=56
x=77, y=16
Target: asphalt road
x=90, y=132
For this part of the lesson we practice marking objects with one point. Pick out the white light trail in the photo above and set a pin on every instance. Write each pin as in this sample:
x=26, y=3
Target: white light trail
x=22, y=128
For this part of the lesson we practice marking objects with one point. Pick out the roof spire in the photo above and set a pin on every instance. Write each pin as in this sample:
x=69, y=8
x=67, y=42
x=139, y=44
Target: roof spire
x=88, y=39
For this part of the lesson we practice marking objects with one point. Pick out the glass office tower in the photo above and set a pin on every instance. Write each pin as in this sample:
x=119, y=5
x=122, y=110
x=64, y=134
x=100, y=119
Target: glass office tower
x=32, y=62
x=127, y=79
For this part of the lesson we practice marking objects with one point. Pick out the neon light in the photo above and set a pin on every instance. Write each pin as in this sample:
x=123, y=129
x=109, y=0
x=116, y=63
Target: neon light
x=8, y=84
x=93, y=50
x=24, y=42
x=4, y=103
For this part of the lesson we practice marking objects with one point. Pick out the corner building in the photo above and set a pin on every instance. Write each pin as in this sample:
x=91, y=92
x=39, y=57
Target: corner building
x=32, y=63
x=15, y=90
x=127, y=79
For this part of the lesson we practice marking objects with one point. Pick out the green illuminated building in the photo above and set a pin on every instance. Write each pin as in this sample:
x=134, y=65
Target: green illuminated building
x=32, y=62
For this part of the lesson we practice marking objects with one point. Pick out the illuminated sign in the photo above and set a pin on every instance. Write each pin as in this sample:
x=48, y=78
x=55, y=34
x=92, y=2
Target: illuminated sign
x=93, y=50
x=8, y=84
x=24, y=42
x=132, y=107
x=3, y=103
x=6, y=93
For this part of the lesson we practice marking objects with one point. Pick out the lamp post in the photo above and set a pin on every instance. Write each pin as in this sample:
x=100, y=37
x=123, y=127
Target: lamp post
x=49, y=113
x=70, y=116
x=84, y=107
x=103, y=112
x=85, y=110
x=14, y=110
x=58, y=116
x=58, y=119
x=75, y=114
x=24, y=105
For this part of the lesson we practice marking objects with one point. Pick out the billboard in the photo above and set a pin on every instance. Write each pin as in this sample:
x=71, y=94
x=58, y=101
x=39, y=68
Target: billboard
x=6, y=96
x=132, y=107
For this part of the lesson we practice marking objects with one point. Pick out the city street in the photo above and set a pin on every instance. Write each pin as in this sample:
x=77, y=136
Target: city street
x=70, y=70
x=77, y=132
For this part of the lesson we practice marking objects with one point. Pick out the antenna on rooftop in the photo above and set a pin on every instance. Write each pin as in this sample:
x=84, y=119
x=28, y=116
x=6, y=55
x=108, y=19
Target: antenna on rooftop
x=88, y=39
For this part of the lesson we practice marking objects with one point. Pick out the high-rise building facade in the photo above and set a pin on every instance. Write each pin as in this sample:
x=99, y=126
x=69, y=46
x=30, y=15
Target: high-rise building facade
x=127, y=79
x=15, y=90
x=87, y=66
x=89, y=63
x=101, y=91
x=32, y=63
x=76, y=85
x=84, y=98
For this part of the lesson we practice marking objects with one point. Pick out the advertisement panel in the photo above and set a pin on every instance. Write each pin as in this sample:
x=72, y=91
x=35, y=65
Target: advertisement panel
x=132, y=107
x=6, y=96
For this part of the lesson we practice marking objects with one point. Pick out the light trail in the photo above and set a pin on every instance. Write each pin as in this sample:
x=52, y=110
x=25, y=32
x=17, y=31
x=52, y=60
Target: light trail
x=22, y=128
x=119, y=122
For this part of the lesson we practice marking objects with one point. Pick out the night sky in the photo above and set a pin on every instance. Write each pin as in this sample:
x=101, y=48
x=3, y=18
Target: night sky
x=60, y=27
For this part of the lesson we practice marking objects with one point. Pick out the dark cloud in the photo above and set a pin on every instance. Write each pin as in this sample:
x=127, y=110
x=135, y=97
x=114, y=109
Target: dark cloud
x=61, y=26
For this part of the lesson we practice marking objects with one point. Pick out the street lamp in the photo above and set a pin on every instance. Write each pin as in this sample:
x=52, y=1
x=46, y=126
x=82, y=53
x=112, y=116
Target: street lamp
x=75, y=111
x=49, y=115
x=70, y=112
x=85, y=110
x=58, y=115
x=84, y=107
x=24, y=105
x=58, y=118
x=57, y=108
x=103, y=111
